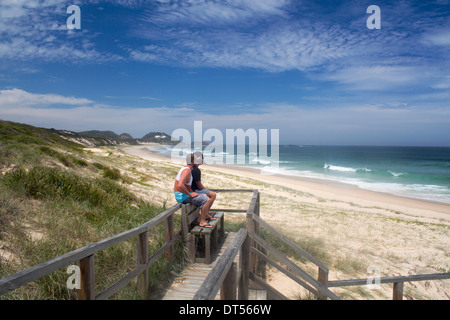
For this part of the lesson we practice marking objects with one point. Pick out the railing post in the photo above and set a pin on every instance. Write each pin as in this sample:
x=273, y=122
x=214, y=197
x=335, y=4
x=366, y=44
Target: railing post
x=87, y=290
x=188, y=238
x=142, y=258
x=261, y=264
x=169, y=236
x=323, y=279
x=245, y=263
x=251, y=228
x=398, y=291
x=228, y=288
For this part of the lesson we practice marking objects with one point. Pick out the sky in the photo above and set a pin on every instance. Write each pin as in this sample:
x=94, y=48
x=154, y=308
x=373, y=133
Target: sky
x=315, y=70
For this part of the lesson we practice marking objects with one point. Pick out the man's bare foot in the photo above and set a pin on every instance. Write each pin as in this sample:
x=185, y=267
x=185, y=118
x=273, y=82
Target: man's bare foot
x=205, y=225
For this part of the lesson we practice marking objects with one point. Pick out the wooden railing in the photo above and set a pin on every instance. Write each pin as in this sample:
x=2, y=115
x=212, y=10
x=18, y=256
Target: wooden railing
x=85, y=257
x=397, y=281
x=251, y=246
x=232, y=280
x=223, y=275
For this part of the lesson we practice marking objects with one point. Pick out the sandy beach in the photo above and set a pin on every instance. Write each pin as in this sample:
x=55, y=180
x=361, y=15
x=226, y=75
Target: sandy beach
x=357, y=230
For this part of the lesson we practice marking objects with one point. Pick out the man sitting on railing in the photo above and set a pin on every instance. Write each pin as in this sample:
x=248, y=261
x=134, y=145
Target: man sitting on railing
x=184, y=194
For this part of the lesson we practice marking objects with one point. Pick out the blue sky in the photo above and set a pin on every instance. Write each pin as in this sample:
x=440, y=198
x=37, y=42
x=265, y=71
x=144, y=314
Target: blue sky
x=311, y=69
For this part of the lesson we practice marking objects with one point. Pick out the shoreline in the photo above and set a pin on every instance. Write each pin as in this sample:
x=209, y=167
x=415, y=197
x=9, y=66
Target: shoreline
x=329, y=189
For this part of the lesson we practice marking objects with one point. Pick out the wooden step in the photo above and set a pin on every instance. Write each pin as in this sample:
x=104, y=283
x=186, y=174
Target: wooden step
x=186, y=285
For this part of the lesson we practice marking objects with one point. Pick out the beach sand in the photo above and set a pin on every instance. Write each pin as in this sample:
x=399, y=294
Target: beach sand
x=352, y=231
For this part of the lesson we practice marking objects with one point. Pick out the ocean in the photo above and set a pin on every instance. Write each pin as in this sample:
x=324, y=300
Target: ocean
x=414, y=172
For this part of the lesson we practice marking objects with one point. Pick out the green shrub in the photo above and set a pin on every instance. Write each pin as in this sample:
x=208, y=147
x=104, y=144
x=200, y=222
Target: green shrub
x=28, y=139
x=112, y=173
x=98, y=165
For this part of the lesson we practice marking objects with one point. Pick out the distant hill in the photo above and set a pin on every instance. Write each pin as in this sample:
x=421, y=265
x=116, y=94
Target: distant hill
x=99, y=134
x=159, y=137
x=125, y=136
x=90, y=138
x=110, y=137
x=13, y=130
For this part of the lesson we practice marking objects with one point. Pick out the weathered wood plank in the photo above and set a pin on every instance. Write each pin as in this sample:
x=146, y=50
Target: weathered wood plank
x=420, y=277
x=87, y=291
x=290, y=243
x=142, y=257
x=214, y=223
x=168, y=236
x=286, y=272
x=191, y=279
x=122, y=282
x=243, y=291
x=105, y=294
x=228, y=288
x=215, y=278
x=397, y=291
x=323, y=279
x=293, y=267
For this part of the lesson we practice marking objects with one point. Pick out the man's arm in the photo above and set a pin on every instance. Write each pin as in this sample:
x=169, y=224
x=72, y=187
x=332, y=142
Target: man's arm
x=185, y=188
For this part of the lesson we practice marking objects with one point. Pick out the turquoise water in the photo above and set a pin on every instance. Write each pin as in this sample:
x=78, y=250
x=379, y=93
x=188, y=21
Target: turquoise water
x=416, y=172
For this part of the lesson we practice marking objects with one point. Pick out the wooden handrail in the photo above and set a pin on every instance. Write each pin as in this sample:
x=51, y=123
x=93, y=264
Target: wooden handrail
x=140, y=269
x=398, y=281
x=216, y=276
x=86, y=257
x=294, y=268
x=31, y=274
x=290, y=243
x=253, y=202
x=285, y=271
x=411, y=278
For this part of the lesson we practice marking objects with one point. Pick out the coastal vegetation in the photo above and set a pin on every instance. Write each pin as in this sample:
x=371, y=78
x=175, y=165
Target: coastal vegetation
x=56, y=197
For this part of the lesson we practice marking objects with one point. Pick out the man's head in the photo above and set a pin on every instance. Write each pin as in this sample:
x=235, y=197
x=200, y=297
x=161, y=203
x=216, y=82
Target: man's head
x=190, y=158
x=198, y=158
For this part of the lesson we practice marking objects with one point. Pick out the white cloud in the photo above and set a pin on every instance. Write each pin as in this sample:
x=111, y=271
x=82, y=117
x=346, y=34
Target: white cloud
x=269, y=35
x=376, y=77
x=216, y=11
x=12, y=98
x=395, y=122
x=444, y=83
x=274, y=48
x=440, y=37
x=36, y=31
x=238, y=35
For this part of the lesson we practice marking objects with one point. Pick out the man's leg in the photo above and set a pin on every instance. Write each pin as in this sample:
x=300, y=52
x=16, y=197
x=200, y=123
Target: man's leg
x=211, y=197
x=204, y=203
x=204, y=213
